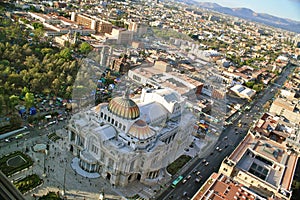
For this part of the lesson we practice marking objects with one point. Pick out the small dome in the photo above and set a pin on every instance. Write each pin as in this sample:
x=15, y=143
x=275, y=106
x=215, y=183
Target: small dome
x=140, y=130
x=124, y=108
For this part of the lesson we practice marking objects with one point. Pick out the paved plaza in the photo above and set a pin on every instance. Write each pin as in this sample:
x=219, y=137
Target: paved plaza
x=60, y=171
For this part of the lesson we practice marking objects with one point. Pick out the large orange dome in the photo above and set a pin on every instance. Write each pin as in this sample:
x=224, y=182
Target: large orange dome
x=124, y=107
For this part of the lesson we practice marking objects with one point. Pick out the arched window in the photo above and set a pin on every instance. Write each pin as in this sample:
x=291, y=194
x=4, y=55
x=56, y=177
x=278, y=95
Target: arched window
x=108, y=119
x=116, y=123
x=105, y=117
x=112, y=121
x=101, y=114
x=124, y=127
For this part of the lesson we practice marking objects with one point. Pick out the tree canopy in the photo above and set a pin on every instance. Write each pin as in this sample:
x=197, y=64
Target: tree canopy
x=85, y=48
x=28, y=68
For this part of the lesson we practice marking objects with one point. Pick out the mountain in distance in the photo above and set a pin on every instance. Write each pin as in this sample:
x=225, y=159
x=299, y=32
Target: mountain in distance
x=249, y=14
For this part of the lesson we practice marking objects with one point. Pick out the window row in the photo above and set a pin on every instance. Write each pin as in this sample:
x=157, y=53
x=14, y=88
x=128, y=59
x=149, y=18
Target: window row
x=112, y=121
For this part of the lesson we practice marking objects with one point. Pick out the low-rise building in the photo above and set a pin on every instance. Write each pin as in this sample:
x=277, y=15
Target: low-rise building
x=162, y=75
x=263, y=165
x=243, y=91
x=286, y=108
x=221, y=187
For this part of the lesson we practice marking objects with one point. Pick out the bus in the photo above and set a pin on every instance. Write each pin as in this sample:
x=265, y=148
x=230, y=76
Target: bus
x=19, y=136
x=176, y=181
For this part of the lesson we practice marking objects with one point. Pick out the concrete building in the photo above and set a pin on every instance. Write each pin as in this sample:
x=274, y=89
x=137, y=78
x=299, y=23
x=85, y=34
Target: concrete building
x=138, y=28
x=221, y=187
x=57, y=25
x=243, y=91
x=162, y=75
x=287, y=109
x=94, y=23
x=263, y=165
x=122, y=36
x=124, y=140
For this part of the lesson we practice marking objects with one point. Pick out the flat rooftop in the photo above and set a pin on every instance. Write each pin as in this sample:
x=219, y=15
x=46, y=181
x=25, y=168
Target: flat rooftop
x=265, y=159
x=180, y=83
x=221, y=187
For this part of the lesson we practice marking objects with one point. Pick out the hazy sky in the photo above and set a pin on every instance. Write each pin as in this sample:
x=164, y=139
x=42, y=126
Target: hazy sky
x=281, y=8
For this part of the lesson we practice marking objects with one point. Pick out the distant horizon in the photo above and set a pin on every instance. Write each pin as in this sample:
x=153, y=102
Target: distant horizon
x=288, y=9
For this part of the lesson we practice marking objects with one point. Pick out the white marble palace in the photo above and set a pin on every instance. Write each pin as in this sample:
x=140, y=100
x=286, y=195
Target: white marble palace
x=126, y=140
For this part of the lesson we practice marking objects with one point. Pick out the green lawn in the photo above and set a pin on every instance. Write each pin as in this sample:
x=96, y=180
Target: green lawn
x=28, y=183
x=14, y=162
x=178, y=164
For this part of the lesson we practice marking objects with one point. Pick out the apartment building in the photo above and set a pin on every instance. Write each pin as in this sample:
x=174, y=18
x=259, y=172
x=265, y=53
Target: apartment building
x=221, y=187
x=287, y=109
x=263, y=165
x=97, y=24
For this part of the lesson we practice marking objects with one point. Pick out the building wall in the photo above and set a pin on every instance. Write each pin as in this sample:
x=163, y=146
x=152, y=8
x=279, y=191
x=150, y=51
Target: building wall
x=100, y=26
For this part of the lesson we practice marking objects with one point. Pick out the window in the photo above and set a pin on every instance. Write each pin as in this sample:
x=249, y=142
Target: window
x=116, y=124
x=95, y=149
x=105, y=117
x=225, y=169
x=101, y=114
x=124, y=127
x=137, y=78
x=112, y=121
x=108, y=119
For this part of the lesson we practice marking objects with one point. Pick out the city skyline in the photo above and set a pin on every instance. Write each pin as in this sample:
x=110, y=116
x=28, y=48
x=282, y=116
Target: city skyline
x=272, y=7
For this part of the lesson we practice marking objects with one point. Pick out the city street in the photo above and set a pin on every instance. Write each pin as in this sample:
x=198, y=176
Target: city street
x=227, y=141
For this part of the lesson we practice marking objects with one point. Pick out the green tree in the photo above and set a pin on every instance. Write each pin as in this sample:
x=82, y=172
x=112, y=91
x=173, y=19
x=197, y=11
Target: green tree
x=257, y=87
x=250, y=84
x=37, y=25
x=29, y=99
x=65, y=53
x=85, y=48
x=13, y=100
x=1, y=103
